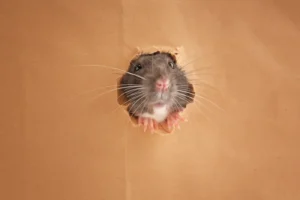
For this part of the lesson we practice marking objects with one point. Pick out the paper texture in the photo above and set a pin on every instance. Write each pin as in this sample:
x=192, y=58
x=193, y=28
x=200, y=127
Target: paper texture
x=63, y=135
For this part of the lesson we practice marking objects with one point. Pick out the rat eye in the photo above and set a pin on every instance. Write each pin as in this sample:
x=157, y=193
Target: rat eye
x=137, y=67
x=171, y=64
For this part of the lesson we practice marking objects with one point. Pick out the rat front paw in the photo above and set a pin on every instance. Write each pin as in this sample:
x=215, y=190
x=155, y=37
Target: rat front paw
x=173, y=120
x=148, y=123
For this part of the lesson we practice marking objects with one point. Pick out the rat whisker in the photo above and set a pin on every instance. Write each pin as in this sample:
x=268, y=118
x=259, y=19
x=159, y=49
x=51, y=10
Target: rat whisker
x=133, y=85
x=129, y=99
x=115, y=89
x=173, y=102
x=131, y=92
x=114, y=68
x=143, y=96
x=185, y=95
x=200, y=71
x=206, y=85
x=137, y=95
x=99, y=88
x=190, y=62
x=142, y=103
x=177, y=104
x=129, y=96
x=199, y=109
x=197, y=70
x=201, y=97
x=145, y=101
x=199, y=84
x=130, y=86
x=196, y=100
x=118, y=73
x=135, y=75
x=186, y=87
x=96, y=89
x=128, y=91
x=198, y=75
x=144, y=106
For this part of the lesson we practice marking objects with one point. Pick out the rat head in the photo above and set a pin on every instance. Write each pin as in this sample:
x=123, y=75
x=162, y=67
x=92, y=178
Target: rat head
x=154, y=79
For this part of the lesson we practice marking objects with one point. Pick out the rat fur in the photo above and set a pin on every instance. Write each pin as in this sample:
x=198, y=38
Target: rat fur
x=137, y=86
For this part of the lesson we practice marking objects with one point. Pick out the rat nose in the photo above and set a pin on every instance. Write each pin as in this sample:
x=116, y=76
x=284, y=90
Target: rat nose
x=162, y=84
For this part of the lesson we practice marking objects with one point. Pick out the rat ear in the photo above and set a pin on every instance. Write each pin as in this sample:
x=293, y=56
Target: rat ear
x=173, y=57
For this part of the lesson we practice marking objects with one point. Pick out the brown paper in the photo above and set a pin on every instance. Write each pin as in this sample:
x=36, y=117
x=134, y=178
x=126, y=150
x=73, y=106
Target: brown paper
x=63, y=135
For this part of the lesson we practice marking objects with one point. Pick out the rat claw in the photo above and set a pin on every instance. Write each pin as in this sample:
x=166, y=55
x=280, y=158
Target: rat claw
x=174, y=119
x=140, y=121
x=179, y=118
x=182, y=119
x=148, y=124
x=155, y=125
x=168, y=123
x=145, y=125
x=151, y=125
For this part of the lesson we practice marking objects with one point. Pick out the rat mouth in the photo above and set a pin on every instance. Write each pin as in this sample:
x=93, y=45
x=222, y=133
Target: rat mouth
x=159, y=104
x=160, y=99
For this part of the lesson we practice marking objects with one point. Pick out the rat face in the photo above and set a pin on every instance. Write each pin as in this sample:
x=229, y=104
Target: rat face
x=154, y=80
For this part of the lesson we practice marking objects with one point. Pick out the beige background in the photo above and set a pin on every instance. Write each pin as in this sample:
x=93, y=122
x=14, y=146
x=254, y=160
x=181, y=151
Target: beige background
x=57, y=145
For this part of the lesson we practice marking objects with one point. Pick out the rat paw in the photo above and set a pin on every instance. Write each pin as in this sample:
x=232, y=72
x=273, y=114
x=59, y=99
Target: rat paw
x=173, y=120
x=148, y=123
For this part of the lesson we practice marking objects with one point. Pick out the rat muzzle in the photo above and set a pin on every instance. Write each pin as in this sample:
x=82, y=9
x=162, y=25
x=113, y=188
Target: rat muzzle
x=162, y=84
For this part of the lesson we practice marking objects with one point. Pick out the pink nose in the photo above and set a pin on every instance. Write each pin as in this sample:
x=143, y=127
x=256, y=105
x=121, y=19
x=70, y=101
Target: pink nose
x=162, y=84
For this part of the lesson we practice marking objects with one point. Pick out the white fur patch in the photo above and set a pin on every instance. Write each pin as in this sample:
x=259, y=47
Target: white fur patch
x=159, y=114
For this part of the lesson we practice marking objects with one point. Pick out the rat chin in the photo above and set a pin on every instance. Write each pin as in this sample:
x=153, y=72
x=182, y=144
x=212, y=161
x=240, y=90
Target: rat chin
x=159, y=105
x=161, y=98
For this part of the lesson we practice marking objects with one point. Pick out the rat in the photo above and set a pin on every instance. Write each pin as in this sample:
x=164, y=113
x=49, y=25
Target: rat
x=156, y=89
